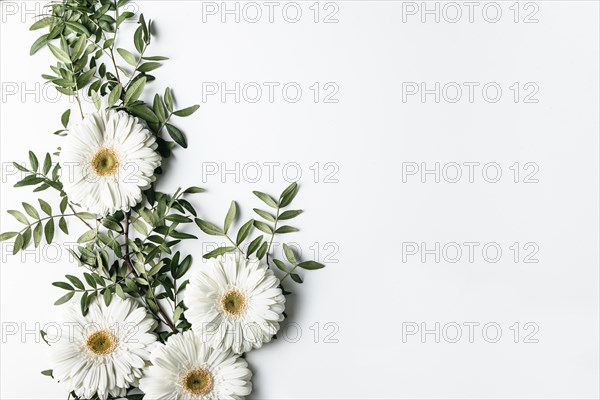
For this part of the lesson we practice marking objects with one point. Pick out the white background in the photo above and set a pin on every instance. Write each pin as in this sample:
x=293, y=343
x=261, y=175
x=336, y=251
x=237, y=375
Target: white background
x=367, y=290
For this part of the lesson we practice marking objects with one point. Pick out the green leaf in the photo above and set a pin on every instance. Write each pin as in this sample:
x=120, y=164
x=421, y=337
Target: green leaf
x=90, y=280
x=124, y=16
x=169, y=99
x=107, y=297
x=115, y=95
x=47, y=164
x=64, y=298
x=65, y=83
x=138, y=41
x=177, y=314
x=158, y=108
x=296, y=278
x=84, y=303
x=269, y=217
x=281, y=265
x=178, y=218
x=78, y=48
x=85, y=78
x=86, y=215
x=45, y=207
x=64, y=119
x=230, y=216
x=144, y=112
x=286, y=229
x=244, y=232
x=266, y=198
x=7, y=236
x=219, y=251
x=19, y=216
x=33, y=161
x=140, y=227
x=62, y=224
x=29, y=180
x=119, y=291
x=208, y=228
x=38, y=44
x=142, y=22
x=88, y=236
x=186, y=112
x=67, y=91
x=19, y=241
x=155, y=58
x=263, y=227
x=177, y=135
x=181, y=235
x=77, y=27
x=46, y=21
x=289, y=254
x=59, y=53
x=254, y=244
x=183, y=268
x=38, y=232
x=262, y=251
x=127, y=56
x=49, y=230
x=30, y=210
x=290, y=214
x=135, y=90
x=26, y=237
x=194, y=189
x=48, y=372
x=20, y=167
x=75, y=281
x=149, y=66
x=63, y=285
x=288, y=195
x=96, y=99
x=112, y=225
x=311, y=265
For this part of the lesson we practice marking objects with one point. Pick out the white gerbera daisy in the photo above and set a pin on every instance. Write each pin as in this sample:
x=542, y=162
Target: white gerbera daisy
x=186, y=368
x=107, y=160
x=104, y=352
x=235, y=303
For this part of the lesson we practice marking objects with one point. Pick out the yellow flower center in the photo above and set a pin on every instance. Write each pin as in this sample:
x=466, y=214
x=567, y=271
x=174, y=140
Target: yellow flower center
x=101, y=343
x=198, y=382
x=105, y=162
x=233, y=302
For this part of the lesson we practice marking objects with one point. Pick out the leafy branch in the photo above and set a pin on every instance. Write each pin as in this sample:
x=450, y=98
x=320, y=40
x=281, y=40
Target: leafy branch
x=269, y=225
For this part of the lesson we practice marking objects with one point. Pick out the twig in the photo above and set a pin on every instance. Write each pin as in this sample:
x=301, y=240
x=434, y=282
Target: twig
x=161, y=311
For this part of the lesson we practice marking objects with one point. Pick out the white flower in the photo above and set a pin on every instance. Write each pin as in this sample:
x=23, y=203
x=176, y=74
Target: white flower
x=235, y=303
x=107, y=160
x=105, y=351
x=187, y=368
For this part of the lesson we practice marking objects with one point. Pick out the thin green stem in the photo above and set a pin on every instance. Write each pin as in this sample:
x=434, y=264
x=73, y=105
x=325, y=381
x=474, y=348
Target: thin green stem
x=37, y=221
x=236, y=246
x=273, y=235
x=161, y=311
x=82, y=220
x=111, y=48
x=76, y=92
x=288, y=274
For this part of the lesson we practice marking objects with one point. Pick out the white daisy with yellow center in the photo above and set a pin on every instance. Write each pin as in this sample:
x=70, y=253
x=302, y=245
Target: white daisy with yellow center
x=236, y=304
x=186, y=368
x=107, y=161
x=104, y=352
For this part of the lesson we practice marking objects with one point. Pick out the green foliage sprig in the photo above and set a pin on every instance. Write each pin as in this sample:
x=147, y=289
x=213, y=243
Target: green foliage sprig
x=261, y=245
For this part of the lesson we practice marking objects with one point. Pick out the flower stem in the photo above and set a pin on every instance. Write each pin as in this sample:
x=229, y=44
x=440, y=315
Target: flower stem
x=273, y=235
